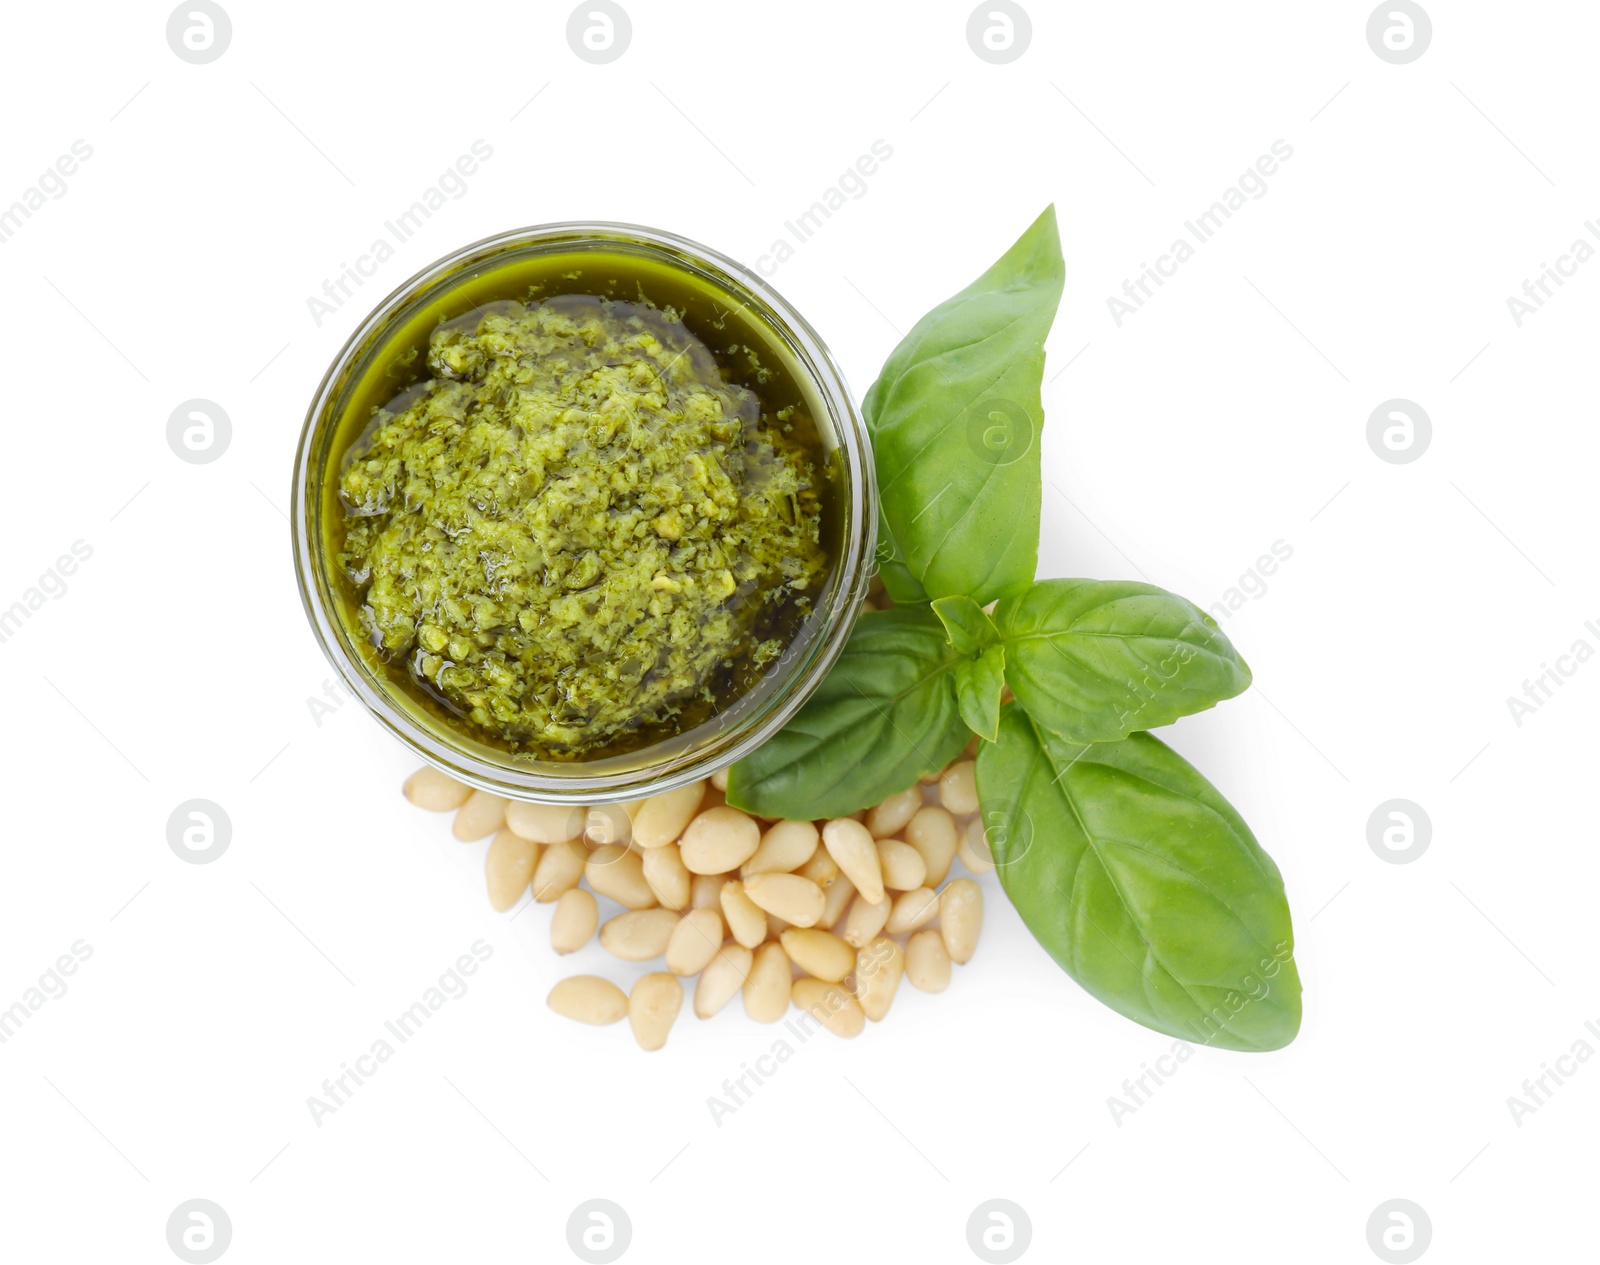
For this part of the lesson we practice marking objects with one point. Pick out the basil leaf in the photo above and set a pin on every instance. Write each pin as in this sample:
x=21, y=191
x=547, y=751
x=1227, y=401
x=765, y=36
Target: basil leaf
x=903, y=587
x=967, y=624
x=979, y=683
x=1143, y=883
x=1096, y=661
x=885, y=716
x=955, y=419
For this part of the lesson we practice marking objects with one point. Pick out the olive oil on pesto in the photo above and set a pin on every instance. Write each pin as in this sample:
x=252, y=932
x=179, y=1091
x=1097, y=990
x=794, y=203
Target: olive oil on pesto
x=581, y=509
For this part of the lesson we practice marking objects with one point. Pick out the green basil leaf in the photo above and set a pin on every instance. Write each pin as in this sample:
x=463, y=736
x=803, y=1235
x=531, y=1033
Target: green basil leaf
x=904, y=588
x=1143, y=883
x=885, y=716
x=1096, y=661
x=968, y=625
x=979, y=683
x=955, y=419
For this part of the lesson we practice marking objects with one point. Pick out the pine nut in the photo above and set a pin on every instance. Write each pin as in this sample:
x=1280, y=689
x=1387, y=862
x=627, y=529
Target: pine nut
x=653, y=1006
x=902, y=865
x=798, y=901
x=706, y=890
x=588, y=999
x=661, y=818
x=639, y=935
x=618, y=873
x=766, y=991
x=836, y=899
x=912, y=910
x=572, y=926
x=719, y=779
x=927, y=963
x=480, y=816
x=508, y=867
x=821, y=869
x=667, y=876
x=747, y=921
x=785, y=847
x=819, y=953
x=719, y=840
x=852, y=846
x=721, y=980
x=879, y=966
x=974, y=851
x=545, y=823
x=434, y=791
x=558, y=871
x=694, y=942
x=890, y=817
x=958, y=788
x=932, y=832
x=866, y=920
x=610, y=823
x=961, y=918
x=830, y=1005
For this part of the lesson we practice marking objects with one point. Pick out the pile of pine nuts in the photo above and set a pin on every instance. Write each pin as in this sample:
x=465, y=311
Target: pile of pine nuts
x=827, y=916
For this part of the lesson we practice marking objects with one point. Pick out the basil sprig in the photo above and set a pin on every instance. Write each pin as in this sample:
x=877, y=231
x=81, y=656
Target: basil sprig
x=1131, y=870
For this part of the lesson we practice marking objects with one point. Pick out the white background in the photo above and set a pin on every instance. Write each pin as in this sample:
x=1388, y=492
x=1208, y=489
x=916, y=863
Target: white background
x=1228, y=414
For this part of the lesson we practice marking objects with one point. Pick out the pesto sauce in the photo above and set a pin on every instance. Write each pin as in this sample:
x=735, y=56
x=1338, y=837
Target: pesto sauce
x=575, y=532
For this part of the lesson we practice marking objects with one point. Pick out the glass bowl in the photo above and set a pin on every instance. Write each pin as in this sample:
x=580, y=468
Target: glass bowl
x=488, y=270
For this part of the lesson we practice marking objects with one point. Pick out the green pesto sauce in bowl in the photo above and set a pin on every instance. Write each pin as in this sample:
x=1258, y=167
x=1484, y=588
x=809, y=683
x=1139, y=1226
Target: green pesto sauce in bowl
x=576, y=527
